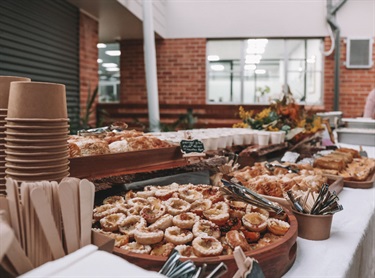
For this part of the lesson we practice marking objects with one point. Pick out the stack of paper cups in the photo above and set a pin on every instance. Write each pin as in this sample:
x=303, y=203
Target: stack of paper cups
x=37, y=128
x=4, y=96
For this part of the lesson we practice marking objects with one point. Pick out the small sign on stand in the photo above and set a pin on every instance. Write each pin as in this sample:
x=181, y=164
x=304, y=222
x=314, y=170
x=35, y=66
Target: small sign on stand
x=193, y=150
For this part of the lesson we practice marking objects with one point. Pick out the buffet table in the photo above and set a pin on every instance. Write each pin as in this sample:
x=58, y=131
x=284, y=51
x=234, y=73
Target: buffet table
x=350, y=251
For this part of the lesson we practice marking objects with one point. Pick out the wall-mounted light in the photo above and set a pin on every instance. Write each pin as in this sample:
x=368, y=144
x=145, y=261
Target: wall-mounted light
x=260, y=71
x=253, y=59
x=213, y=58
x=217, y=67
x=113, y=52
x=101, y=45
x=99, y=61
x=112, y=69
x=109, y=65
x=250, y=67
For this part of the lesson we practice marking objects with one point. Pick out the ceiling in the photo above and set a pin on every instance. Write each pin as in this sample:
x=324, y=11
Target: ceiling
x=115, y=21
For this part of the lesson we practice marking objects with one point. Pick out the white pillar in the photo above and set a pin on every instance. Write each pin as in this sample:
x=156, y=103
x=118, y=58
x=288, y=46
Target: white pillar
x=150, y=66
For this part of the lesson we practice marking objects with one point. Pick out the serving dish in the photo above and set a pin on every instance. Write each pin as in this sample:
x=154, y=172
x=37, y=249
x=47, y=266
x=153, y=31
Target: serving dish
x=275, y=259
x=336, y=183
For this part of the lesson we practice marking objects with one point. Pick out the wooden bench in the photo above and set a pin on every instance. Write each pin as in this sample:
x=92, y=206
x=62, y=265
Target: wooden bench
x=206, y=115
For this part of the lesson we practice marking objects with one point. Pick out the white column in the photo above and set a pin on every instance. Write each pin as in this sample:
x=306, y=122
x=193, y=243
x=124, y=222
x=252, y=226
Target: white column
x=150, y=66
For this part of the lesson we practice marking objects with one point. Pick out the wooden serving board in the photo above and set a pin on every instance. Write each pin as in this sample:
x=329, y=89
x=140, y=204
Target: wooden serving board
x=105, y=165
x=275, y=259
x=336, y=183
x=368, y=183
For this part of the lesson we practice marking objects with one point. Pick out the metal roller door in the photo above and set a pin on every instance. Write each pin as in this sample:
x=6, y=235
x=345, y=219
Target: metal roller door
x=39, y=39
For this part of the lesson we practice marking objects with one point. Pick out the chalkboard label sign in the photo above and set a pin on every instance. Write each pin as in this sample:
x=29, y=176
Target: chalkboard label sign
x=191, y=146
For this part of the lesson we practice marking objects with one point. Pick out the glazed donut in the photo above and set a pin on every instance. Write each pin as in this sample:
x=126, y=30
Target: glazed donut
x=185, y=220
x=218, y=213
x=162, y=249
x=164, y=194
x=178, y=236
x=132, y=223
x=152, y=213
x=163, y=222
x=255, y=222
x=214, y=194
x=199, y=206
x=235, y=204
x=186, y=251
x=114, y=200
x=189, y=195
x=251, y=208
x=137, y=248
x=148, y=236
x=137, y=202
x=120, y=240
x=207, y=246
x=145, y=194
x=277, y=227
x=206, y=228
x=123, y=208
x=111, y=222
x=176, y=206
x=103, y=211
x=235, y=238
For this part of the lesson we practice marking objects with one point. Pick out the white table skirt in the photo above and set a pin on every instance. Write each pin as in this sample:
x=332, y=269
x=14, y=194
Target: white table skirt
x=350, y=250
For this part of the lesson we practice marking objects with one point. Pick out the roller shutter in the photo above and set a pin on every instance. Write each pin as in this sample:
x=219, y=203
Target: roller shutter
x=39, y=39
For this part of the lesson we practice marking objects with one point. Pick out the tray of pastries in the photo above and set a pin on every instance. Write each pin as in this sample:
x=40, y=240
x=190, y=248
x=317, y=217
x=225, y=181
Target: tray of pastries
x=201, y=222
x=120, y=152
x=273, y=180
x=356, y=170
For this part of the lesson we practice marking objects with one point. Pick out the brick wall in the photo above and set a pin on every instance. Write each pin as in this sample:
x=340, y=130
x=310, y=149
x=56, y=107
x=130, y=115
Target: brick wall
x=88, y=55
x=181, y=71
x=182, y=77
x=355, y=84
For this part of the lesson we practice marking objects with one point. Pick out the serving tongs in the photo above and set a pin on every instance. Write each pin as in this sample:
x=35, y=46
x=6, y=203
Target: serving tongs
x=115, y=127
x=244, y=194
x=271, y=167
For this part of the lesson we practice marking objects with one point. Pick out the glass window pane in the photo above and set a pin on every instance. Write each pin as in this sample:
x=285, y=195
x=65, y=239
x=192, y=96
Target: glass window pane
x=109, y=73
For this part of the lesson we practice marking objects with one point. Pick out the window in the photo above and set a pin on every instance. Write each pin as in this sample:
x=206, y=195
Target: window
x=109, y=72
x=253, y=71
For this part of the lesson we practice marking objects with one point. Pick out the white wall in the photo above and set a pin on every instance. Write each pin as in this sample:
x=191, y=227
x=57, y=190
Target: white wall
x=159, y=13
x=265, y=18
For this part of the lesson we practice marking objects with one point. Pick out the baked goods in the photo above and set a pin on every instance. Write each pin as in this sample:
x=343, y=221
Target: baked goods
x=346, y=163
x=278, y=181
x=219, y=225
x=113, y=142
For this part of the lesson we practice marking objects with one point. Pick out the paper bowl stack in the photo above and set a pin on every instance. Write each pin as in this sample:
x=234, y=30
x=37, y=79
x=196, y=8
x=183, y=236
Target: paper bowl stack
x=4, y=97
x=36, y=132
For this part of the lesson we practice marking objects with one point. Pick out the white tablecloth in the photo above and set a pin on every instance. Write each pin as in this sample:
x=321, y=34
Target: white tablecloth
x=350, y=250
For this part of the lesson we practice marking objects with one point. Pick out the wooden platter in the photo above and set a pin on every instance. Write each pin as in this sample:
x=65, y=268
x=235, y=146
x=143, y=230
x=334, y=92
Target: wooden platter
x=123, y=163
x=275, y=259
x=336, y=183
x=368, y=183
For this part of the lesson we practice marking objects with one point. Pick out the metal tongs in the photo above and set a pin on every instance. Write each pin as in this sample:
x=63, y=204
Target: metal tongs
x=242, y=193
x=290, y=168
x=115, y=127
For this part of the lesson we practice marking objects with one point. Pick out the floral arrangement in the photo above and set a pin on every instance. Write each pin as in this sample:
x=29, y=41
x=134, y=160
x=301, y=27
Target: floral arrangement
x=285, y=115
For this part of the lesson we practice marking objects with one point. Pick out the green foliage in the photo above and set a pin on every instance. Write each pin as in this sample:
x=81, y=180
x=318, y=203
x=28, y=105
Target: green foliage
x=89, y=109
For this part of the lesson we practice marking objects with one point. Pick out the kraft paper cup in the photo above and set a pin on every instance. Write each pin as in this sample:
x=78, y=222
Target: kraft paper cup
x=37, y=142
x=36, y=156
x=5, y=82
x=37, y=100
x=37, y=153
x=37, y=129
x=31, y=149
x=37, y=159
x=48, y=177
x=33, y=136
x=60, y=166
x=313, y=227
x=28, y=164
x=37, y=170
